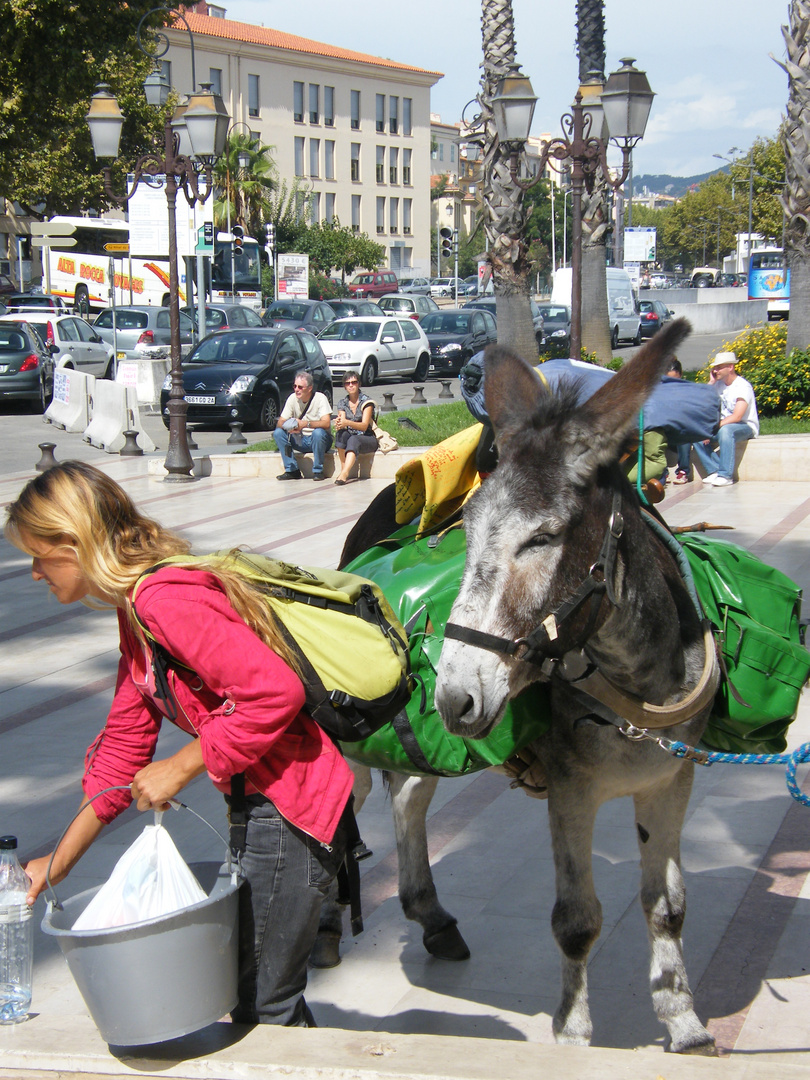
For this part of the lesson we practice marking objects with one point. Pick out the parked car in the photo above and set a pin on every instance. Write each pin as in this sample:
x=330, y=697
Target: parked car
x=374, y=283
x=415, y=307
x=247, y=375
x=16, y=301
x=557, y=326
x=733, y=281
x=487, y=303
x=455, y=335
x=444, y=286
x=469, y=286
x=704, y=277
x=376, y=347
x=225, y=316
x=653, y=315
x=312, y=315
x=344, y=309
x=419, y=285
x=72, y=342
x=142, y=330
x=26, y=366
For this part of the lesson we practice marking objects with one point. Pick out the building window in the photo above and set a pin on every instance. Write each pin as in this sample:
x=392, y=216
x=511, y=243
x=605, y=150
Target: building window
x=300, y=206
x=298, y=102
x=329, y=106
x=355, y=110
x=314, y=103
x=380, y=123
x=355, y=213
x=299, y=156
x=166, y=71
x=393, y=214
x=407, y=210
x=452, y=151
x=406, y=167
x=215, y=78
x=329, y=214
x=380, y=213
x=393, y=165
x=355, y=166
x=441, y=151
x=407, y=108
x=393, y=115
x=253, y=95
x=314, y=157
x=315, y=208
x=380, y=166
x=329, y=159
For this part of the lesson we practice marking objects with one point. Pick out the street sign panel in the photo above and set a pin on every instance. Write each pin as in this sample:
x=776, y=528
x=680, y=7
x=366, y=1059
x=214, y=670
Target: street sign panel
x=122, y=248
x=53, y=241
x=52, y=228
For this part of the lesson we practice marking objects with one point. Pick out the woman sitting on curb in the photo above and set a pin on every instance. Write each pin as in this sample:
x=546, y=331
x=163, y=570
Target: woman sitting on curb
x=353, y=426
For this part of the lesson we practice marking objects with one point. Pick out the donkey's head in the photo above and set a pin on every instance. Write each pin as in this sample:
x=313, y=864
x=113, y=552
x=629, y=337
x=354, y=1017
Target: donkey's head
x=537, y=525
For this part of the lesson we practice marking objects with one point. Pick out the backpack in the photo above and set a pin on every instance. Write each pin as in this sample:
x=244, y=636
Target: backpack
x=351, y=648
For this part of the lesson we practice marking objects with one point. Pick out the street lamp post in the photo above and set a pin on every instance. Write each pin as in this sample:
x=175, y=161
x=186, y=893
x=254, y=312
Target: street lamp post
x=623, y=107
x=192, y=138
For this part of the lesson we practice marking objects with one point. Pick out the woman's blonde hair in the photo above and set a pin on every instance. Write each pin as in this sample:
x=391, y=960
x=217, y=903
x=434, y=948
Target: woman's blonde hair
x=78, y=506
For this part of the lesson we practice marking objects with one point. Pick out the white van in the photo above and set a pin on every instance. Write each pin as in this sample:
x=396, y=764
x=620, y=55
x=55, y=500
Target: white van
x=625, y=324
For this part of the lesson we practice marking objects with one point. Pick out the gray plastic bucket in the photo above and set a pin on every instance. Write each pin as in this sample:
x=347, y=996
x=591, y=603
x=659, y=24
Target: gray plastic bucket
x=161, y=978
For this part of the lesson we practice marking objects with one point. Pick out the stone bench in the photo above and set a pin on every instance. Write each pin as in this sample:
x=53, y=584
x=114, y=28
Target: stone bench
x=363, y=468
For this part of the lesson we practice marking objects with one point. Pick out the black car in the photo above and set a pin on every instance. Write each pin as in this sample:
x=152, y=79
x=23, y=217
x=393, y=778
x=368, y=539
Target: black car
x=232, y=316
x=346, y=309
x=312, y=315
x=653, y=315
x=557, y=327
x=455, y=336
x=26, y=366
x=247, y=375
x=487, y=303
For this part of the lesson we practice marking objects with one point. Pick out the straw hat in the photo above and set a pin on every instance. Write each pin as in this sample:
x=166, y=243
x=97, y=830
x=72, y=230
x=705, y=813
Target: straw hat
x=723, y=358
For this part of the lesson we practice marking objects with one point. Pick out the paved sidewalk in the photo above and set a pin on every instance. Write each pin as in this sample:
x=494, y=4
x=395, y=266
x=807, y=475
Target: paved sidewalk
x=389, y=1010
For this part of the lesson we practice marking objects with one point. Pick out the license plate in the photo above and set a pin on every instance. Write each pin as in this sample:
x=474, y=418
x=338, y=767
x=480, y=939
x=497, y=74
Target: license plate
x=120, y=356
x=3, y=369
x=195, y=399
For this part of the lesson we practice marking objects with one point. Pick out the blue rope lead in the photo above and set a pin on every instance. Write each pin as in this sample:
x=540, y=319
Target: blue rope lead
x=790, y=761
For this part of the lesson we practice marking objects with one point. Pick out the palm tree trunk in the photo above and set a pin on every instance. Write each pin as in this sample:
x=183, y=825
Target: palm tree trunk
x=796, y=197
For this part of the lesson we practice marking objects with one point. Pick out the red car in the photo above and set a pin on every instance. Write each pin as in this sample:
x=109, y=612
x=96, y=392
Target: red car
x=374, y=283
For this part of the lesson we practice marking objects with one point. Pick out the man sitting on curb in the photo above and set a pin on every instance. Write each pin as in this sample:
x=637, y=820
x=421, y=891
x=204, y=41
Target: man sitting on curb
x=738, y=421
x=304, y=425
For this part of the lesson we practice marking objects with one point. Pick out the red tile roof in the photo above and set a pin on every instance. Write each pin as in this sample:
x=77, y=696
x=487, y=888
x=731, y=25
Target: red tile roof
x=260, y=35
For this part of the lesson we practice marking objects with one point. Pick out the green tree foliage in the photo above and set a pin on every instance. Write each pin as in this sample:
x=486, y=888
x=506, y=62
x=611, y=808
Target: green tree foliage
x=54, y=52
x=781, y=383
x=768, y=157
x=539, y=225
x=704, y=223
x=245, y=191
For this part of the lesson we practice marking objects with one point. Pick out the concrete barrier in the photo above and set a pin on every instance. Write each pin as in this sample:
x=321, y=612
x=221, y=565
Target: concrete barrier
x=723, y=318
x=72, y=393
x=115, y=410
x=146, y=375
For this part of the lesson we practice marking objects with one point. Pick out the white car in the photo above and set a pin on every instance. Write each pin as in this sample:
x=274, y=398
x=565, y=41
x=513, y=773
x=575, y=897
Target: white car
x=444, y=286
x=72, y=342
x=376, y=347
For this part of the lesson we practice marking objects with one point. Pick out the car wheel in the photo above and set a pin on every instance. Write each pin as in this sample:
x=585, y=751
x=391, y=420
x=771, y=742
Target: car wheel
x=614, y=338
x=268, y=413
x=422, y=365
x=368, y=376
x=81, y=300
x=637, y=338
x=40, y=403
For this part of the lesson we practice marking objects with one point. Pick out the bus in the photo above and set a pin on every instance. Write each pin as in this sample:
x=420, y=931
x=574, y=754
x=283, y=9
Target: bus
x=98, y=270
x=769, y=278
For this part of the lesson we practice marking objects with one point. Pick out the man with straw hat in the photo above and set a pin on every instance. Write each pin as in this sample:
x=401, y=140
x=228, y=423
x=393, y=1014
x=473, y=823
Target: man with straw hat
x=738, y=421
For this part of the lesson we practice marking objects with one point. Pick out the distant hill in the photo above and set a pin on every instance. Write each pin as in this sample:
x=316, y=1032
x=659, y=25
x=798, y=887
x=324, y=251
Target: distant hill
x=676, y=186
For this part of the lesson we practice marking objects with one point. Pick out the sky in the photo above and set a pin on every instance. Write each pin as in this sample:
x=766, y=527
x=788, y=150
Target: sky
x=707, y=60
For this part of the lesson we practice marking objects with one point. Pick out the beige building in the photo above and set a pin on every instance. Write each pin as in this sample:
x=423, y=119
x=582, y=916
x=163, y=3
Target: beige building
x=355, y=128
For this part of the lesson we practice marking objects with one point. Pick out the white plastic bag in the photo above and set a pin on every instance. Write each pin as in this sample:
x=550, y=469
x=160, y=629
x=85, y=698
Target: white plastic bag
x=150, y=879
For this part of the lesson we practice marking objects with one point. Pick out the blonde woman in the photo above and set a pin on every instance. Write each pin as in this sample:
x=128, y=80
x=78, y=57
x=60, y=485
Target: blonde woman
x=237, y=694
x=353, y=426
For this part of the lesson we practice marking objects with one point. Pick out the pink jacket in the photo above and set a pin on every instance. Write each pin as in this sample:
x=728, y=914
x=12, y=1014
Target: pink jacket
x=240, y=698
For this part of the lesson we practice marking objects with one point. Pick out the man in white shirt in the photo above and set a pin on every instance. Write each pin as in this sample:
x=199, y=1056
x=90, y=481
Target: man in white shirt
x=738, y=421
x=305, y=425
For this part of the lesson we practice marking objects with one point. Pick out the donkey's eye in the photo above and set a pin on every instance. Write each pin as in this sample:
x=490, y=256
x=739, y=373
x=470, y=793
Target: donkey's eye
x=540, y=539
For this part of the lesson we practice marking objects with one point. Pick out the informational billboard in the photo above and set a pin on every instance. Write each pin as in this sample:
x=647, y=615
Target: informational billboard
x=293, y=276
x=639, y=244
x=149, y=219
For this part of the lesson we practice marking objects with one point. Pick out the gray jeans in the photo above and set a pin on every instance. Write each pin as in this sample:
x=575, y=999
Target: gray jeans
x=288, y=876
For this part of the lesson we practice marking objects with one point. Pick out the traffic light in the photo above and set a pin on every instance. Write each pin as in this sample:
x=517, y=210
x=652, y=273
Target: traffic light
x=270, y=233
x=446, y=242
x=238, y=234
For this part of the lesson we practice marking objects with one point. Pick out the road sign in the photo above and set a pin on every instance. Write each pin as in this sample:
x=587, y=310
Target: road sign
x=53, y=241
x=205, y=239
x=123, y=248
x=52, y=228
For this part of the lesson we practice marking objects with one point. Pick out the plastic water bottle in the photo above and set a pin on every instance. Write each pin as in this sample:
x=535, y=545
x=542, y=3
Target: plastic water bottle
x=16, y=936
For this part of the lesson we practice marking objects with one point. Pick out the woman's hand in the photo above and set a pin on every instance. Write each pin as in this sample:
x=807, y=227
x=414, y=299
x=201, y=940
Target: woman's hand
x=36, y=870
x=156, y=783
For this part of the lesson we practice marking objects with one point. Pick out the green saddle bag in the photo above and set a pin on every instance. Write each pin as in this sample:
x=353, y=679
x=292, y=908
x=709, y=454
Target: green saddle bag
x=421, y=579
x=755, y=611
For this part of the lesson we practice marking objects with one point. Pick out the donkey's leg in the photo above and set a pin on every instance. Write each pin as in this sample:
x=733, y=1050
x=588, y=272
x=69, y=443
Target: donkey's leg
x=326, y=950
x=659, y=820
x=576, y=920
x=410, y=798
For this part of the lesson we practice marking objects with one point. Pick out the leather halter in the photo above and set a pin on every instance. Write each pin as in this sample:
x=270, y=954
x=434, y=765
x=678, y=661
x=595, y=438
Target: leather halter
x=577, y=672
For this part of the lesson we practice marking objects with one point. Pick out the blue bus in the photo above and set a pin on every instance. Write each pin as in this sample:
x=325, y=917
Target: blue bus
x=769, y=279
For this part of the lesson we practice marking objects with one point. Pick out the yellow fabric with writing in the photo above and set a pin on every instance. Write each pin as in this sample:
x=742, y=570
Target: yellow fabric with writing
x=439, y=481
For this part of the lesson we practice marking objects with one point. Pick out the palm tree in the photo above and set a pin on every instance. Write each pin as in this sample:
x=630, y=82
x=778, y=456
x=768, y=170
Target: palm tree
x=796, y=198
x=246, y=178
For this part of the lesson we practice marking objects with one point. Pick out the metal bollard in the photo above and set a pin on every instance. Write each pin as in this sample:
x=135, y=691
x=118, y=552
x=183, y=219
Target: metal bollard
x=418, y=397
x=388, y=403
x=446, y=391
x=130, y=447
x=47, y=461
x=236, y=436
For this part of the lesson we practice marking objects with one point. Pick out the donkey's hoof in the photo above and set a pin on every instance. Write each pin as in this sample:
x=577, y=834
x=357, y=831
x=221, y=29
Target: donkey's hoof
x=446, y=944
x=326, y=951
x=702, y=1044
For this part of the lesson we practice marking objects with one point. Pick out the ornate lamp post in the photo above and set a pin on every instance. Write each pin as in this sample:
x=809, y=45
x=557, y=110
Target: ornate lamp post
x=618, y=114
x=193, y=138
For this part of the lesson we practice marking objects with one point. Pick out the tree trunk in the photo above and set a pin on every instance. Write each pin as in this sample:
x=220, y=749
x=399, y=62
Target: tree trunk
x=796, y=198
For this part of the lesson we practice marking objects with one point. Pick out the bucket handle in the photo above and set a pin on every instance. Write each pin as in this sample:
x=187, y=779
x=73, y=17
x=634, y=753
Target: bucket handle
x=176, y=804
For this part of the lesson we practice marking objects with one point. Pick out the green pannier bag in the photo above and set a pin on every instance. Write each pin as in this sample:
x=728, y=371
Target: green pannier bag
x=421, y=579
x=755, y=611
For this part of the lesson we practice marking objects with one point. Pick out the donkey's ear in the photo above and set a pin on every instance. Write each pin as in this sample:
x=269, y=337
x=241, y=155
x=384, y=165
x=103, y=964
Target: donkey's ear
x=597, y=430
x=511, y=389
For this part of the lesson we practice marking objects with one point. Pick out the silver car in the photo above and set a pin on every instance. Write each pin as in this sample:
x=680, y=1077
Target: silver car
x=141, y=330
x=72, y=342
